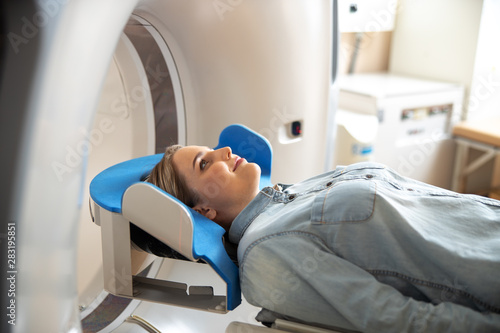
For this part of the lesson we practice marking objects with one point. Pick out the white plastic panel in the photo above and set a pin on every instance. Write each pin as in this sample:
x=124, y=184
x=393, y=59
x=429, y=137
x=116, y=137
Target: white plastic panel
x=167, y=318
x=137, y=100
x=66, y=88
x=367, y=15
x=125, y=127
x=260, y=63
x=160, y=216
x=263, y=63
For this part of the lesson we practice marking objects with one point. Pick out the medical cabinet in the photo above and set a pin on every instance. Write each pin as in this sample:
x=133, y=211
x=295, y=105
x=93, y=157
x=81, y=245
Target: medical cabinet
x=415, y=118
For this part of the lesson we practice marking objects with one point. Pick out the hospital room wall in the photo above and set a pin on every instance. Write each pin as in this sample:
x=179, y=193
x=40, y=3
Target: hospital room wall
x=455, y=42
x=435, y=40
x=373, y=55
x=445, y=40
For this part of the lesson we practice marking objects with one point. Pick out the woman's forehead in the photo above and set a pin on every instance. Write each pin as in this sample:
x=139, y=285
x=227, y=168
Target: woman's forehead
x=186, y=156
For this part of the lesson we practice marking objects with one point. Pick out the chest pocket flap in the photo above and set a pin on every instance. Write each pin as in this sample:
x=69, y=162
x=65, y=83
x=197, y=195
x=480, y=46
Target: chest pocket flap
x=346, y=201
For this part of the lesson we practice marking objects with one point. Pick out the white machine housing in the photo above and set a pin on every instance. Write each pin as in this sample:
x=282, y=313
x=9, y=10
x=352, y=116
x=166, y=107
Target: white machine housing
x=415, y=120
x=267, y=64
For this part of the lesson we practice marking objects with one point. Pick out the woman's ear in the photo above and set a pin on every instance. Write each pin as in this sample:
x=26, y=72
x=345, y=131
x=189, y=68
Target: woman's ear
x=208, y=212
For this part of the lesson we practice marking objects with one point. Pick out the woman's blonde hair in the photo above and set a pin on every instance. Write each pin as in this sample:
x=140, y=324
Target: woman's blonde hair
x=165, y=176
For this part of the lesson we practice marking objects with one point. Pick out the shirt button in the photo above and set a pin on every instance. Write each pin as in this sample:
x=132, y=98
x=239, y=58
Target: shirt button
x=410, y=189
x=329, y=184
x=369, y=176
x=291, y=197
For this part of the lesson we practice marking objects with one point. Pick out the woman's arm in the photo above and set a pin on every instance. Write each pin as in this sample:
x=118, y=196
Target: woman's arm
x=312, y=284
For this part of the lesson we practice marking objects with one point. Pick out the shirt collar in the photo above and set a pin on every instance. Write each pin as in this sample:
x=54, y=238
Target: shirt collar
x=249, y=213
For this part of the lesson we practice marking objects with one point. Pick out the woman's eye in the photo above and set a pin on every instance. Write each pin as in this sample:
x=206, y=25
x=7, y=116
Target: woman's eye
x=203, y=164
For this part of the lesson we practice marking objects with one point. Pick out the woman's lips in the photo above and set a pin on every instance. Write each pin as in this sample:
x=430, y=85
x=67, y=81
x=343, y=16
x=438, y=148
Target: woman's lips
x=237, y=163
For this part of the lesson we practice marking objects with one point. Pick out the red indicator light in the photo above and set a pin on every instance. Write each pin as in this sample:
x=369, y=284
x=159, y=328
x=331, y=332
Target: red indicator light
x=296, y=128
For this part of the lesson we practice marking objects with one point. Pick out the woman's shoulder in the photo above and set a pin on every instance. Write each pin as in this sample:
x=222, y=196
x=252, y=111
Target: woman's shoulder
x=338, y=173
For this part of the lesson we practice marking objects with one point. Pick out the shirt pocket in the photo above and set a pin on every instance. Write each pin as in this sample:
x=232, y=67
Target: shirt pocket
x=345, y=202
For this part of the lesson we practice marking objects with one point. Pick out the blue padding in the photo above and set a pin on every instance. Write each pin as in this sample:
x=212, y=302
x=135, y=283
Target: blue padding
x=208, y=246
x=252, y=146
x=107, y=188
x=205, y=235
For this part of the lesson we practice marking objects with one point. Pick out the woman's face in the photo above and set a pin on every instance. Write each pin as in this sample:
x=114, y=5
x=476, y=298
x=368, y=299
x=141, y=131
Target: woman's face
x=225, y=182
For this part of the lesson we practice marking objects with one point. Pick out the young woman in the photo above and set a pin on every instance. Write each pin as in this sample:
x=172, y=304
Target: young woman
x=359, y=248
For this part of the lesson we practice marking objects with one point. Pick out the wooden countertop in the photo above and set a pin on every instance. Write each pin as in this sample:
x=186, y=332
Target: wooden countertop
x=484, y=130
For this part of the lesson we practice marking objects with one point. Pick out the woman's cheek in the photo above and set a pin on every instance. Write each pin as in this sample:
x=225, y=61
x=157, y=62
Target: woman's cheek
x=216, y=181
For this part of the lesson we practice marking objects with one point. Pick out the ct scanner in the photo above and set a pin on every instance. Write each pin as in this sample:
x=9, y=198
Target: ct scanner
x=90, y=83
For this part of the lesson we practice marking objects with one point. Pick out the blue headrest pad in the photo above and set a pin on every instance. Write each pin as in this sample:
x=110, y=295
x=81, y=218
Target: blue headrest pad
x=250, y=145
x=107, y=188
x=207, y=234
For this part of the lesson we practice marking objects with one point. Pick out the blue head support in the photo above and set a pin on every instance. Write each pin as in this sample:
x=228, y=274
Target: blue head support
x=250, y=145
x=119, y=190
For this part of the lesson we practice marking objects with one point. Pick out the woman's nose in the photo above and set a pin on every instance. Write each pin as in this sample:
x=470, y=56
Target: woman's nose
x=222, y=154
x=226, y=153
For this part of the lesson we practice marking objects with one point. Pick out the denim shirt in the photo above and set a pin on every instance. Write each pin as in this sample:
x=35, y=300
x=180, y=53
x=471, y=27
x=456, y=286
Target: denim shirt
x=364, y=249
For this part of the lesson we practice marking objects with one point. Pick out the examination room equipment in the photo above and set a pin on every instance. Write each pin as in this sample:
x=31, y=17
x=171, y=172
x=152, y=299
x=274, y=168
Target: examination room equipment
x=88, y=84
x=413, y=126
x=120, y=197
